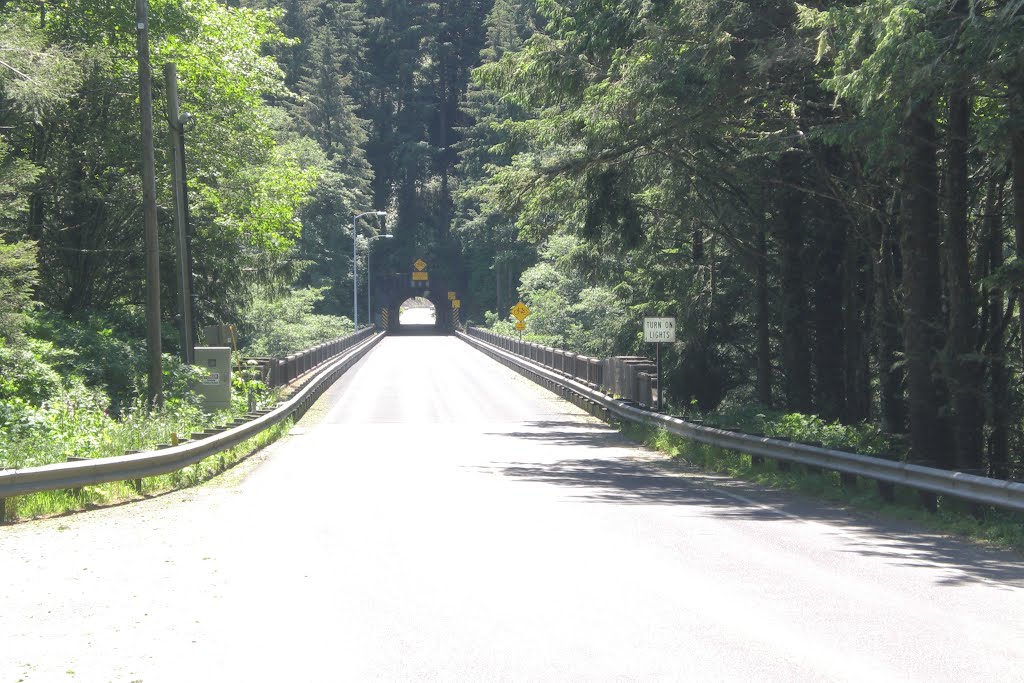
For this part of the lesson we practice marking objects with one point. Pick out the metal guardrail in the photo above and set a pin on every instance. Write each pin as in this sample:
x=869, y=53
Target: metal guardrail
x=969, y=487
x=137, y=466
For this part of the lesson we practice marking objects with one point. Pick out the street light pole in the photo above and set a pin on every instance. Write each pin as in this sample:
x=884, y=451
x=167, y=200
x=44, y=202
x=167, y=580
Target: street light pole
x=369, y=280
x=355, y=268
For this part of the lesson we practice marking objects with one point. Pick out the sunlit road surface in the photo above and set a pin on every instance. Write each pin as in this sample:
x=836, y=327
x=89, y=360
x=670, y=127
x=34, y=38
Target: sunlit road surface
x=417, y=316
x=436, y=517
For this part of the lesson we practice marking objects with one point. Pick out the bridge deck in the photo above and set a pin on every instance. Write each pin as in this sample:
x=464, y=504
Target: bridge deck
x=437, y=516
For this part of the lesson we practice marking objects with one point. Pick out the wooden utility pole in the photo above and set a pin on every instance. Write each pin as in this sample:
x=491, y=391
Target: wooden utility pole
x=176, y=123
x=152, y=238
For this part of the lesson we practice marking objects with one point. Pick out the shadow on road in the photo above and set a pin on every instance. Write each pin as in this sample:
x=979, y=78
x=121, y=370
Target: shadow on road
x=627, y=481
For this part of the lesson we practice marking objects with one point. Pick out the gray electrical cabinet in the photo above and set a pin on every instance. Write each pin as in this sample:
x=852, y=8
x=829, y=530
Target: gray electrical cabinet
x=215, y=387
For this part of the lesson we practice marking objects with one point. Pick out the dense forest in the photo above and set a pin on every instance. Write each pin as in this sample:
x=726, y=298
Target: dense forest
x=829, y=197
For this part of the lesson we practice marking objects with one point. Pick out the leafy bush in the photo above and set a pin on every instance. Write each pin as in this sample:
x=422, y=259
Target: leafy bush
x=107, y=350
x=857, y=438
x=48, y=413
x=280, y=326
x=811, y=429
x=18, y=274
x=24, y=375
x=248, y=391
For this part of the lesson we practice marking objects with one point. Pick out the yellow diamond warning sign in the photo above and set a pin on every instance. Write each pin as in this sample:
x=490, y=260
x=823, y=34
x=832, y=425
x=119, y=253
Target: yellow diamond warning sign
x=420, y=264
x=520, y=311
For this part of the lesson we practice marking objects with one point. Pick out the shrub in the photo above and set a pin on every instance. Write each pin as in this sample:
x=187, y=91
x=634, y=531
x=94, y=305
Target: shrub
x=277, y=327
x=25, y=375
x=107, y=350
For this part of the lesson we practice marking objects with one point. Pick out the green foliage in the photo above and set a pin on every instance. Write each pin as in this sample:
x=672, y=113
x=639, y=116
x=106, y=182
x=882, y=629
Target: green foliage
x=107, y=350
x=16, y=176
x=279, y=326
x=248, y=391
x=62, y=501
x=69, y=118
x=36, y=76
x=48, y=413
x=24, y=375
x=77, y=389
x=18, y=277
x=810, y=429
x=565, y=312
x=859, y=438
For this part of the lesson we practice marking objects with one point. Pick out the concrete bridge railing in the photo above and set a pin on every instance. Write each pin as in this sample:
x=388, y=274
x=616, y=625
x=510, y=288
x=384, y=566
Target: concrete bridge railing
x=279, y=372
x=631, y=378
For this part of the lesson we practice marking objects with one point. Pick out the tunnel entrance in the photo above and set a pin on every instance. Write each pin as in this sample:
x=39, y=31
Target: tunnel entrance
x=425, y=308
x=417, y=314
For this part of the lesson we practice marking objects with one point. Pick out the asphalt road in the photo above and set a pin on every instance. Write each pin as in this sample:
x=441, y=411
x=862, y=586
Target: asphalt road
x=437, y=517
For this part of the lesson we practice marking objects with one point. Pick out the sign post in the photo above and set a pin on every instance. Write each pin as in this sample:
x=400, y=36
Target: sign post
x=519, y=312
x=659, y=331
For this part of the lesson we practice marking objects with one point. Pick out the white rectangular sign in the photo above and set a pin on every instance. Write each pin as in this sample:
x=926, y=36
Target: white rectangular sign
x=660, y=330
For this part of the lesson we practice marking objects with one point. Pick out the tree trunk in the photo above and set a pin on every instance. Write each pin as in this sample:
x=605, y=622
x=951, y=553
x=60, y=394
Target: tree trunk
x=999, y=436
x=1017, y=164
x=887, y=267
x=856, y=320
x=444, y=210
x=789, y=231
x=497, y=288
x=829, y=242
x=966, y=371
x=764, y=350
x=922, y=287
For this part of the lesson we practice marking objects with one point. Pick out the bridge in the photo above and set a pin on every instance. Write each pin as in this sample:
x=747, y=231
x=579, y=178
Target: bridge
x=437, y=514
